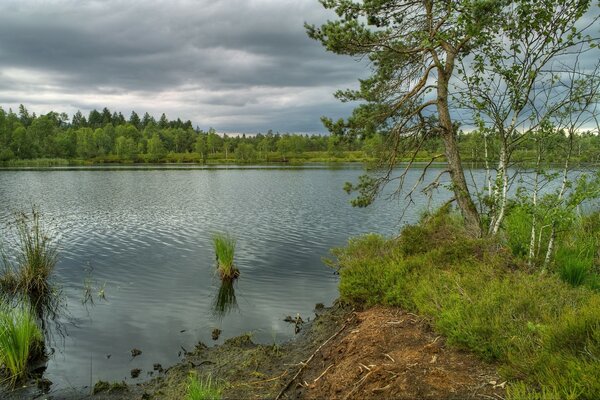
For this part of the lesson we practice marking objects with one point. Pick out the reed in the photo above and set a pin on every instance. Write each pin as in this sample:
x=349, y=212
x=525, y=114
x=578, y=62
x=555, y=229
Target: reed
x=20, y=340
x=36, y=258
x=224, y=246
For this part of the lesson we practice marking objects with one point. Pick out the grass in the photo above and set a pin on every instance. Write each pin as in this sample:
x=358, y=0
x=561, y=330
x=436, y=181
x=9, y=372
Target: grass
x=224, y=246
x=36, y=257
x=202, y=389
x=543, y=332
x=20, y=340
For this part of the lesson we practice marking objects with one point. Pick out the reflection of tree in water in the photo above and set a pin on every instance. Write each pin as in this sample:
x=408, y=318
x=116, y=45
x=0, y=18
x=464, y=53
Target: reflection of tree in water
x=225, y=300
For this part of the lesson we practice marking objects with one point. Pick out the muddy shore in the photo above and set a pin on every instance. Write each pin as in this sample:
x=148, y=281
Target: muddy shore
x=341, y=353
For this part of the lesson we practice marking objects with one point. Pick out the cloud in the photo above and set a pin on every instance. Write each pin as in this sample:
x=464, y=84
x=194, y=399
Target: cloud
x=232, y=64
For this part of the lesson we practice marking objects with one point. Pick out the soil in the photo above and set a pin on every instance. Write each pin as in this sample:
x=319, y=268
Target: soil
x=341, y=354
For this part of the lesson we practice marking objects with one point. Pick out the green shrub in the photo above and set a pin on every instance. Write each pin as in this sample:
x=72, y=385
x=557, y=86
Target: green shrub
x=20, y=340
x=544, y=333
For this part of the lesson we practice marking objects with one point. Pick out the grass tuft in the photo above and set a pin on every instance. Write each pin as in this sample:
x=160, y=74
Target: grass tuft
x=224, y=246
x=202, y=389
x=20, y=340
x=36, y=258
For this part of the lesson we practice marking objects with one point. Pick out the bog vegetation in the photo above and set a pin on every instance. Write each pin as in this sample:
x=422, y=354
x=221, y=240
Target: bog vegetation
x=21, y=340
x=542, y=327
x=224, y=246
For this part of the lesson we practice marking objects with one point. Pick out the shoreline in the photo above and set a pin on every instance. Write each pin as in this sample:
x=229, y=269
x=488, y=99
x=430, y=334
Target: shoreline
x=341, y=353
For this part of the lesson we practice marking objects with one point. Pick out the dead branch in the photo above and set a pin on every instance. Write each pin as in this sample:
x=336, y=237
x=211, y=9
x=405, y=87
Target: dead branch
x=313, y=355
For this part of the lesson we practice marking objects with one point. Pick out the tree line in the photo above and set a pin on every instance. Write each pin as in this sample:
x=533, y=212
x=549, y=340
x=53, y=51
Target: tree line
x=105, y=136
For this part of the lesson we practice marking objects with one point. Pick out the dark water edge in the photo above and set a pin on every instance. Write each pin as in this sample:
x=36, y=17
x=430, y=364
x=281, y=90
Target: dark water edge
x=246, y=358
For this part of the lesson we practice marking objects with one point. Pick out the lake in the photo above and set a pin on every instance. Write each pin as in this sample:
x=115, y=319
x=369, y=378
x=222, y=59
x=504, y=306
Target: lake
x=143, y=236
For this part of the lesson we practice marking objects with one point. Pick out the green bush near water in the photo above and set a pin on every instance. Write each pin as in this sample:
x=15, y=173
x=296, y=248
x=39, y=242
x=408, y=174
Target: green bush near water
x=224, y=246
x=20, y=340
x=544, y=332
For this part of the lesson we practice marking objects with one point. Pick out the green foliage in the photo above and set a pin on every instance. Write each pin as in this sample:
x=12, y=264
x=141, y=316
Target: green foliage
x=544, y=333
x=36, y=258
x=518, y=230
x=224, y=246
x=573, y=264
x=202, y=389
x=20, y=340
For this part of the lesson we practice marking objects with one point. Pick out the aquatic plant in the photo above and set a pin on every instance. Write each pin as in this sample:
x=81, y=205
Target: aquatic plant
x=20, y=339
x=202, y=389
x=36, y=257
x=224, y=246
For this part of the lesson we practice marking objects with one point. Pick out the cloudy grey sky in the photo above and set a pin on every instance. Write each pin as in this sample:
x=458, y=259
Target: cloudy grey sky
x=236, y=65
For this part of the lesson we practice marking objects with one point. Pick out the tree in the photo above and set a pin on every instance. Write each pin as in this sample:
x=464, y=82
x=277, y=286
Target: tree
x=156, y=148
x=413, y=48
x=134, y=120
x=526, y=77
x=200, y=146
x=78, y=120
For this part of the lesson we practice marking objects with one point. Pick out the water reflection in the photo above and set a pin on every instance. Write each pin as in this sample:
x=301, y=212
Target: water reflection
x=225, y=300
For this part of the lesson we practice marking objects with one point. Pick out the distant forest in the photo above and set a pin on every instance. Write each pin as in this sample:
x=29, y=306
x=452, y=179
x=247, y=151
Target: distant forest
x=109, y=137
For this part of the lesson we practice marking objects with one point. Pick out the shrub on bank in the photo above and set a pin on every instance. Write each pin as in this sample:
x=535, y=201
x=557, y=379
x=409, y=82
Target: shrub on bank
x=544, y=332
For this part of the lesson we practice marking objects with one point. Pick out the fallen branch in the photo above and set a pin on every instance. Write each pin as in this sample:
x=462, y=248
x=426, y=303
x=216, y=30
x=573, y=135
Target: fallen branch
x=322, y=373
x=313, y=355
x=267, y=380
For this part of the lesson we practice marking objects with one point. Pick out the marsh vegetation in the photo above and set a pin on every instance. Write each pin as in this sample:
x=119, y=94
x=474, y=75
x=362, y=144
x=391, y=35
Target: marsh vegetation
x=224, y=246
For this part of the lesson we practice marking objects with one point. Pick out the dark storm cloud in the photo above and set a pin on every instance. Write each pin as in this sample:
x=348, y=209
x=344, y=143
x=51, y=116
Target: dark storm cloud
x=231, y=61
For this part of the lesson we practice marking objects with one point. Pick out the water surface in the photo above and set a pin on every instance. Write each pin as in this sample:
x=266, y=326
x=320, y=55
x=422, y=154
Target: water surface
x=144, y=236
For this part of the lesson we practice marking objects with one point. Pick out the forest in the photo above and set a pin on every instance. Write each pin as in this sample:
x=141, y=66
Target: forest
x=109, y=137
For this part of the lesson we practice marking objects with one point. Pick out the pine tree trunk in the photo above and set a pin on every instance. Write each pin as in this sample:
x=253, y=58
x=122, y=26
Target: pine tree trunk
x=457, y=175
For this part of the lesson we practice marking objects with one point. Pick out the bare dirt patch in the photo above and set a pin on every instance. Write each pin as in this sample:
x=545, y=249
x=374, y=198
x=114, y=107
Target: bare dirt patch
x=387, y=353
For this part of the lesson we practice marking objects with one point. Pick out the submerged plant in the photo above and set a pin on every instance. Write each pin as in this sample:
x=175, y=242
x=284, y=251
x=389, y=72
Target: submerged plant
x=36, y=257
x=202, y=389
x=224, y=246
x=20, y=340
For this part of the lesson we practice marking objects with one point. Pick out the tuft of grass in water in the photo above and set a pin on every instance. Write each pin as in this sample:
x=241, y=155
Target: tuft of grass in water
x=20, y=340
x=543, y=332
x=224, y=246
x=36, y=258
x=202, y=389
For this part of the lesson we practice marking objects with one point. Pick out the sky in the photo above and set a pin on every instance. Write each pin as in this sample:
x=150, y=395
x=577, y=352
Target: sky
x=239, y=66
x=235, y=65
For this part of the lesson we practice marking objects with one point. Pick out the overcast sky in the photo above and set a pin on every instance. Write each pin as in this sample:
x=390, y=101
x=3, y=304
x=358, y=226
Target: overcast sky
x=235, y=65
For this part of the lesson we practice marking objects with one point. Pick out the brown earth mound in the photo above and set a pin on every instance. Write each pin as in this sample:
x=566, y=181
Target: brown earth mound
x=387, y=353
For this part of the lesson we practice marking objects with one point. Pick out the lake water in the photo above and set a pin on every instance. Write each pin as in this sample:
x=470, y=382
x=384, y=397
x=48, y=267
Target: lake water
x=144, y=235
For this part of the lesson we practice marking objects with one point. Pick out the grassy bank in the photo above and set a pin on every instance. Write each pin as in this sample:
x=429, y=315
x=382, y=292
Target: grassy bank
x=544, y=332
